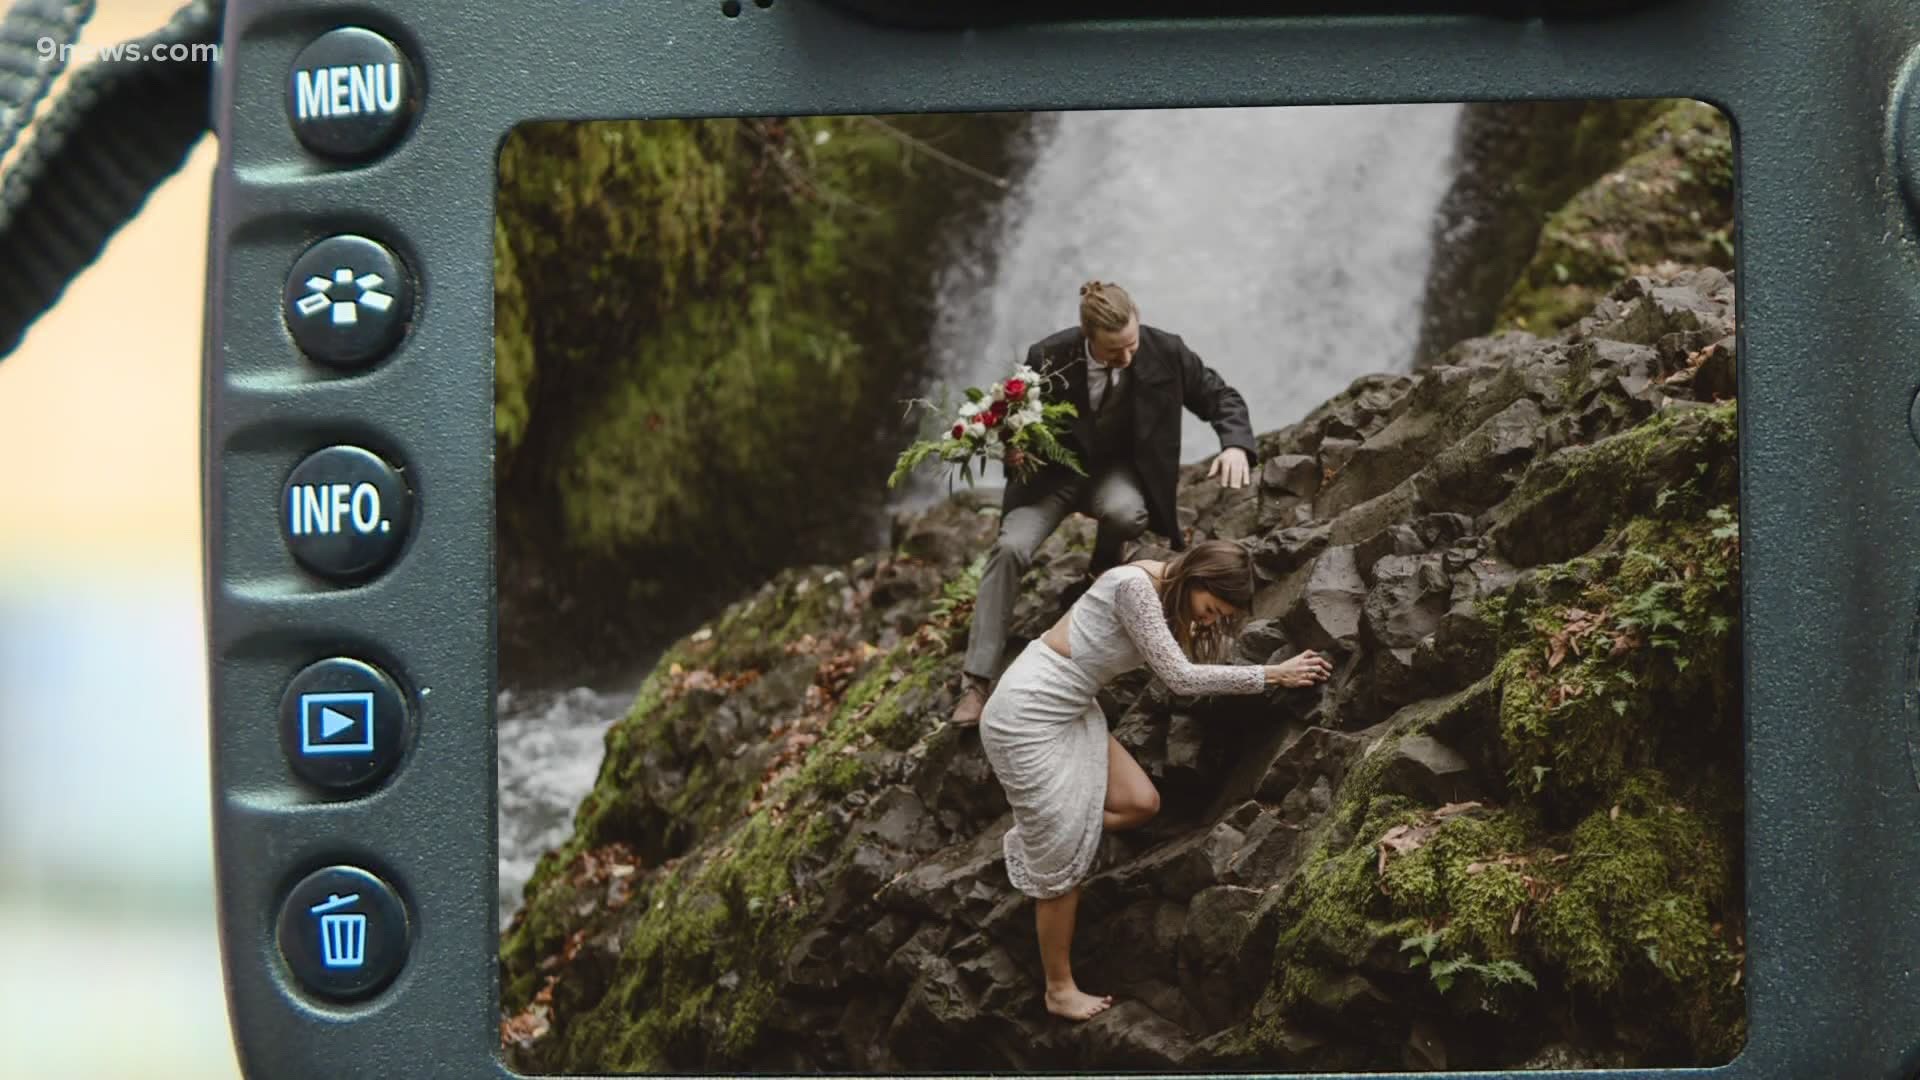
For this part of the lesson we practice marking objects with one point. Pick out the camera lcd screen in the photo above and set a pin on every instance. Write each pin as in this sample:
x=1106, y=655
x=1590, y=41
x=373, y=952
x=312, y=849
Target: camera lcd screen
x=1199, y=590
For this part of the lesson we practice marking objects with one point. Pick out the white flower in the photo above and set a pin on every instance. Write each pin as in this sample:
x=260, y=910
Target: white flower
x=1018, y=420
x=969, y=410
x=1026, y=375
x=976, y=429
x=999, y=392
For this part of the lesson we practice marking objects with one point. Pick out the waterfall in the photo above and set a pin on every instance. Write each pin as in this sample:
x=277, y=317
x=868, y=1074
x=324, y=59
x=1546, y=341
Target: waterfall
x=1288, y=246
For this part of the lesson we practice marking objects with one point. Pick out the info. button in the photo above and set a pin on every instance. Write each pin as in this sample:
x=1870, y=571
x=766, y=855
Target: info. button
x=351, y=93
x=343, y=724
x=344, y=512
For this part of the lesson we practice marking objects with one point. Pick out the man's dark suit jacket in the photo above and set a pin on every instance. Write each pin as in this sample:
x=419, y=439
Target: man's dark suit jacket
x=1165, y=376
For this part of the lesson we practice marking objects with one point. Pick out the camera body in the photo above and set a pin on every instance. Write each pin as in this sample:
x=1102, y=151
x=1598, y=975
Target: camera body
x=350, y=433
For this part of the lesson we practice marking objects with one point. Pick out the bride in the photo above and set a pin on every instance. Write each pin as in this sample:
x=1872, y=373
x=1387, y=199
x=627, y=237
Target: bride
x=1066, y=778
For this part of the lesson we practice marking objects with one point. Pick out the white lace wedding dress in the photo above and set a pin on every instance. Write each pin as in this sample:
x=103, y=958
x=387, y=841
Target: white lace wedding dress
x=1046, y=737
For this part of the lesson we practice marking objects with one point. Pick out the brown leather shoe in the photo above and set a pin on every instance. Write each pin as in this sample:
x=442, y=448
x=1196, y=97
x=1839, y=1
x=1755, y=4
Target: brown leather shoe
x=973, y=702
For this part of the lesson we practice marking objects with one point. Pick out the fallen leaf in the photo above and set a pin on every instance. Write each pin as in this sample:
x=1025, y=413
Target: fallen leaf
x=1455, y=808
x=1402, y=839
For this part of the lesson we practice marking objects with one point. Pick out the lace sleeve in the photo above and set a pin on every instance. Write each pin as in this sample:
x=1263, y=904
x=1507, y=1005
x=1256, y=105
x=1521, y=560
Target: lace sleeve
x=1138, y=605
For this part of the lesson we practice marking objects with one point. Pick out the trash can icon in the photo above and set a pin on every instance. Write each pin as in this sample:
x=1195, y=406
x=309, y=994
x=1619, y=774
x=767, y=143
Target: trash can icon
x=343, y=935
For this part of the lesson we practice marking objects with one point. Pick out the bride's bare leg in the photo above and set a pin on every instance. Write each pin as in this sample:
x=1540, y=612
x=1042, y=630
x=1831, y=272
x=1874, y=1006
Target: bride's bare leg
x=1053, y=918
x=1132, y=800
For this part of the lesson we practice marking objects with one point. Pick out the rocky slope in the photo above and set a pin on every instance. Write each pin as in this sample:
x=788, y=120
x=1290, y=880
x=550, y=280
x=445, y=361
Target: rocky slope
x=1505, y=834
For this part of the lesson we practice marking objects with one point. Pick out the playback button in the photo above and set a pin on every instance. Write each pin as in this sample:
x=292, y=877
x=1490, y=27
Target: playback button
x=343, y=723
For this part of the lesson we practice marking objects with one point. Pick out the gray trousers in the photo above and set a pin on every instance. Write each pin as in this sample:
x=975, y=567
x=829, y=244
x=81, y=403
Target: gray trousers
x=1111, y=495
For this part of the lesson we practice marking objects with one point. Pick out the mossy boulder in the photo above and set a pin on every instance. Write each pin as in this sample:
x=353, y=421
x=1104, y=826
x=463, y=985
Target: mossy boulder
x=1517, y=802
x=1669, y=200
x=1555, y=203
x=703, y=327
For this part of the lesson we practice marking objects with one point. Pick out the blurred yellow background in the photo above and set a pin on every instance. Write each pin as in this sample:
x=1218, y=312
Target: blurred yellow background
x=109, y=961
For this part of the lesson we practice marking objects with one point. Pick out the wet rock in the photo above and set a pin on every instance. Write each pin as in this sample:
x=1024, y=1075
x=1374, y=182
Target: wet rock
x=1291, y=474
x=1446, y=402
x=1320, y=608
x=1717, y=379
x=961, y=884
x=1351, y=1003
x=867, y=952
x=1270, y=852
x=1480, y=469
x=1260, y=639
x=1309, y=754
x=1409, y=595
x=1335, y=453
x=898, y=819
x=1426, y=1049
x=1286, y=551
x=1429, y=771
x=952, y=531
x=1174, y=870
x=1129, y=1035
x=1151, y=929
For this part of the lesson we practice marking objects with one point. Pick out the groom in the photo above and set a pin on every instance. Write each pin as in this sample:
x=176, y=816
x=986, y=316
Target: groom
x=1128, y=382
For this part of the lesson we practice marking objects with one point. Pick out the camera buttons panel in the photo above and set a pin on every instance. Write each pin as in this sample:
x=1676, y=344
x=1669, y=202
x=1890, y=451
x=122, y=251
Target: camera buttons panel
x=343, y=723
x=345, y=512
x=351, y=94
x=343, y=932
x=347, y=301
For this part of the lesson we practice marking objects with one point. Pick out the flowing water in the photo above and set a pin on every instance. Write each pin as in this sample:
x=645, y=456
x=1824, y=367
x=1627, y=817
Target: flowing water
x=1289, y=247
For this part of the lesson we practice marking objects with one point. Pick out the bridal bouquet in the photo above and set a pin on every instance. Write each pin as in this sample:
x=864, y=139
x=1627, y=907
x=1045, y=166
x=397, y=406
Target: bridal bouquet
x=1010, y=415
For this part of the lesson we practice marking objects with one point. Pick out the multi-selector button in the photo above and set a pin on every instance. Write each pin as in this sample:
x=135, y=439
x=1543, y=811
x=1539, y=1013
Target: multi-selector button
x=348, y=300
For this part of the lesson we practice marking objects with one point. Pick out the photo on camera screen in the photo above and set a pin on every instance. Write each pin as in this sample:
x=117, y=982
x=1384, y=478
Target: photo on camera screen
x=1190, y=590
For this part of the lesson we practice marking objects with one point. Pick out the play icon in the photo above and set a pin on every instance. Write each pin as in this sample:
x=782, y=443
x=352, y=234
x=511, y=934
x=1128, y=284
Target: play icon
x=336, y=723
x=344, y=724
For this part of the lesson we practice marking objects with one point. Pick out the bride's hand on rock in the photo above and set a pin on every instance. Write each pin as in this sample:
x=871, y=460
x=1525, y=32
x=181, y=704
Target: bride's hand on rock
x=1303, y=670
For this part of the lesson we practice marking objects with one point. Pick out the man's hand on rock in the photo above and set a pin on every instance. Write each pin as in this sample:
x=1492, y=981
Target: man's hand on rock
x=1232, y=467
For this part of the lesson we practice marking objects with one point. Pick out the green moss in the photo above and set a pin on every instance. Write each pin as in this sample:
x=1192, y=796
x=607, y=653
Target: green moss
x=685, y=307
x=1609, y=870
x=703, y=958
x=696, y=978
x=1670, y=199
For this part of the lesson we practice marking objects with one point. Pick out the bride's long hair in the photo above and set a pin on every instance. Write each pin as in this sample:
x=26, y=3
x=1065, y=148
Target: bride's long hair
x=1223, y=568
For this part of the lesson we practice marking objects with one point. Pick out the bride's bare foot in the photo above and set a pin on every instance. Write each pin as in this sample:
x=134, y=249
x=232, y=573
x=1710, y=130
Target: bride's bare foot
x=1075, y=1005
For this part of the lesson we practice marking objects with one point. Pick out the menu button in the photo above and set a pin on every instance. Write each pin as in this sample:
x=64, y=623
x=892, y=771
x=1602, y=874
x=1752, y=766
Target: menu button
x=351, y=93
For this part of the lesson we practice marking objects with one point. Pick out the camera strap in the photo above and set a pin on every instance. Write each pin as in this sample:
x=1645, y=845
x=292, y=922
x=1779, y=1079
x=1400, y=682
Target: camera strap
x=123, y=125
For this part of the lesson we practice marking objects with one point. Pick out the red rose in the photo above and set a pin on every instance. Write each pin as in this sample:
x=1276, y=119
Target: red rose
x=1016, y=388
x=959, y=430
x=990, y=418
x=999, y=408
